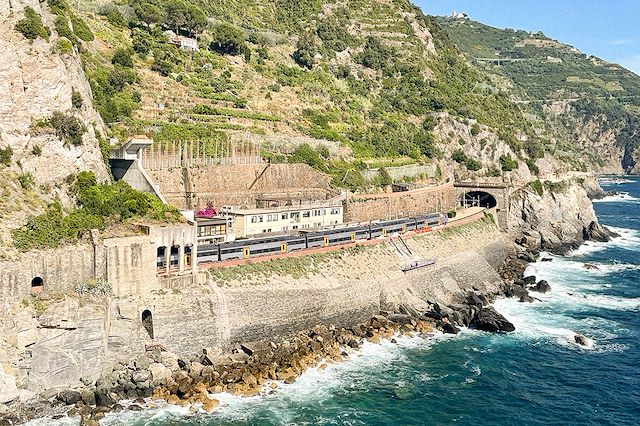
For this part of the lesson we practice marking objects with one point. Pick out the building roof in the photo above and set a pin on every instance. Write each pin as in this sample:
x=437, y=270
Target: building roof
x=283, y=209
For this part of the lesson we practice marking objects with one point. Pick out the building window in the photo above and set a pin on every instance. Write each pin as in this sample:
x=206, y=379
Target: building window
x=254, y=219
x=284, y=216
x=260, y=219
x=294, y=227
x=335, y=210
x=306, y=214
x=295, y=215
x=317, y=213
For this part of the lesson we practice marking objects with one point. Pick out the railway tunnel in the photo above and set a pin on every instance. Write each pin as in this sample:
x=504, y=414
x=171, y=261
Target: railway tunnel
x=490, y=195
x=478, y=199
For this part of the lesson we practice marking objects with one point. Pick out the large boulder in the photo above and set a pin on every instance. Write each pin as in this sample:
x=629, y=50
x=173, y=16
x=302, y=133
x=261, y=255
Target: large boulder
x=69, y=397
x=489, y=319
x=597, y=232
x=541, y=287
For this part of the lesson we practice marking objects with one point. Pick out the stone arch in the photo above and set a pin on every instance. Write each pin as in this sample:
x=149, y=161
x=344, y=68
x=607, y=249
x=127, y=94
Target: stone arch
x=147, y=322
x=37, y=285
x=478, y=199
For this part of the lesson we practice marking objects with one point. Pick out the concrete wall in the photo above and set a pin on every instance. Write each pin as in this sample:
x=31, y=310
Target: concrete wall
x=397, y=173
x=59, y=269
x=240, y=184
x=368, y=207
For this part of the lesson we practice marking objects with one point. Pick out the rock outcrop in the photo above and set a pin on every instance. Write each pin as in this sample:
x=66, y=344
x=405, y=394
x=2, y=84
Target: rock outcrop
x=559, y=220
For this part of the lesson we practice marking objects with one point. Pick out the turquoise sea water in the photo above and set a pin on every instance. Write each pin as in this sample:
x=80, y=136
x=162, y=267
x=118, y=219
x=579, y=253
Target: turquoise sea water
x=534, y=376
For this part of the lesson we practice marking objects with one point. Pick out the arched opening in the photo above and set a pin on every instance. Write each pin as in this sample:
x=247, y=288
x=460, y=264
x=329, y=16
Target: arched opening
x=37, y=285
x=147, y=322
x=478, y=199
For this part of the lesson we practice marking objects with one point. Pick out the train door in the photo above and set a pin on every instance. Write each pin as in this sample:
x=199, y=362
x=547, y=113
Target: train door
x=246, y=252
x=353, y=236
x=283, y=248
x=325, y=241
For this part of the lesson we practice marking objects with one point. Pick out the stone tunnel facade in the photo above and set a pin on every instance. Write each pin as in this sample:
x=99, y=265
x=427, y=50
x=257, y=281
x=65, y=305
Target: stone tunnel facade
x=490, y=195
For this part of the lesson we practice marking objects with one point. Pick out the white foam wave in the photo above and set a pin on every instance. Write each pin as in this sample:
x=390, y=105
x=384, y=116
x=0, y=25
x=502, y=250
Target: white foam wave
x=617, y=198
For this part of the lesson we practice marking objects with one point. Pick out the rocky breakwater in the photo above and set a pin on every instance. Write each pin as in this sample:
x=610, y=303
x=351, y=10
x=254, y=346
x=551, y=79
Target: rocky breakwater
x=160, y=377
x=560, y=218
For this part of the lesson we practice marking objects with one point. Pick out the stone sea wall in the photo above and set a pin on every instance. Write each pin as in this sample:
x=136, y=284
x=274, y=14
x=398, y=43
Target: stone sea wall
x=70, y=340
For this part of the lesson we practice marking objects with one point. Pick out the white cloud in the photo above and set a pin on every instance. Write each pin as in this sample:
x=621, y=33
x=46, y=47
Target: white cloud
x=632, y=63
x=622, y=42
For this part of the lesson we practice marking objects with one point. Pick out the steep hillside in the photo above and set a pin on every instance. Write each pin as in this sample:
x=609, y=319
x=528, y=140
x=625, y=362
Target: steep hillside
x=48, y=127
x=589, y=105
x=366, y=83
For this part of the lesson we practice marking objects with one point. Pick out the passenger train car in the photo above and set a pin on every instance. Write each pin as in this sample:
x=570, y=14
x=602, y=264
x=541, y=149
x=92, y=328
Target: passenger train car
x=251, y=248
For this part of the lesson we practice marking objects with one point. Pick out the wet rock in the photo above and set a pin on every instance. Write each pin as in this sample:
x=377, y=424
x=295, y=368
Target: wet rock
x=526, y=256
x=546, y=259
x=490, y=320
x=526, y=299
x=69, y=397
x=591, y=267
x=581, y=340
x=541, y=287
x=103, y=399
x=449, y=328
x=597, y=232
x=88, y=396
x=134, y=407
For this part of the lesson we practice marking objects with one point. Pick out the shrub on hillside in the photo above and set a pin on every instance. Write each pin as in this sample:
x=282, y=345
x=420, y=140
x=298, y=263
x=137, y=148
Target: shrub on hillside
x=31, y=25
x=65, y=47
x=375, y=54
x=97, y=204
x=76, y=99
x=507, y=163
x=123, y=58
x=80, y=29
x=67, y=127
x=5, y=156
x=305, y=52
x=459, y=156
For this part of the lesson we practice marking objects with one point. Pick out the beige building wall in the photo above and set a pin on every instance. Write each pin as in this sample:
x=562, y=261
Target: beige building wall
x=285, y=220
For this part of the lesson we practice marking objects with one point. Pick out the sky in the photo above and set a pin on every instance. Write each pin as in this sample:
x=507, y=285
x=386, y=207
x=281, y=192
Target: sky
x=609, y=29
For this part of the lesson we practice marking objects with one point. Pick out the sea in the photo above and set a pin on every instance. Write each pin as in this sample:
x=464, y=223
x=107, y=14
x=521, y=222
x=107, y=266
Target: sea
x=536, y=375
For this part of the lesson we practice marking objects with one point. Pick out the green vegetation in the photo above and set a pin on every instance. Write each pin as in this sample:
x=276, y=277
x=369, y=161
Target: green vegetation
x=31, y=25
x=68, y=24
x=67, y=127
x=37, y=150
x=26, y=180
x=536, y=186
x=97, y=206
x=542, y=71
x=5, y=156
x=556, y=187
x=227, y=39
x=76, y=99
x=65, y=47
x=507, y=163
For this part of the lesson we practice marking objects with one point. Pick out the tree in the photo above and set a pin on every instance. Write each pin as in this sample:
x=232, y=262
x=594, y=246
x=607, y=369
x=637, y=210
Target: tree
x=147, y=12
x=375, y=54
x=507, y=163
x=305, y=52
x=227, y=39
x=385, y=177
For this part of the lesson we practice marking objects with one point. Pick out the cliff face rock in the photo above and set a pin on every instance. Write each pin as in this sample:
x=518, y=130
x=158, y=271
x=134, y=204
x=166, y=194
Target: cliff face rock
x=35, y=82
x=560, y=215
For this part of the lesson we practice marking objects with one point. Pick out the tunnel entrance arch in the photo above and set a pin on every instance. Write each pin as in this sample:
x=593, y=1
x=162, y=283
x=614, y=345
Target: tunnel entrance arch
x=147, y=322
x=478, y=199
x=37, y=285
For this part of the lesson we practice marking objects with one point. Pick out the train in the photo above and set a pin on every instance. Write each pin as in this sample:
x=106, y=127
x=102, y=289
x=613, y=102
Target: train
x=271, y=245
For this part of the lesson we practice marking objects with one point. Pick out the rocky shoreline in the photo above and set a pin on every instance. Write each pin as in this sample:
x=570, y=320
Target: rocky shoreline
x=257, y=368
